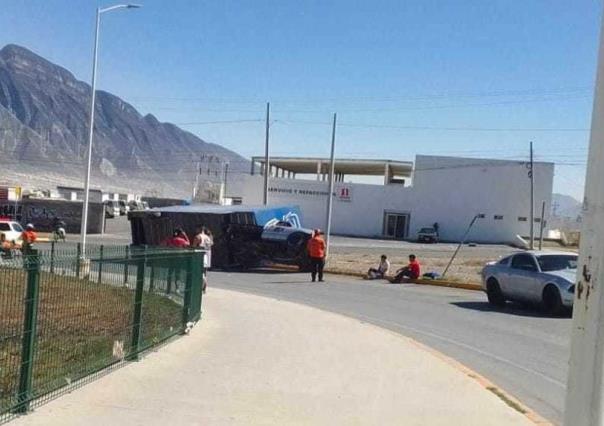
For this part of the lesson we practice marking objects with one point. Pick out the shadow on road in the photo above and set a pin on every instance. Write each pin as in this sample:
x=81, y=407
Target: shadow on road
x=523, y=310
x=261, y=271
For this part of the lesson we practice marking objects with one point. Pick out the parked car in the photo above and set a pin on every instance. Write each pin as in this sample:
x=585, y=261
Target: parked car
x=112, y=208
x=543, y=277
x=427, y=235
x=124, y=209
x=10, y=229
x=135, y=205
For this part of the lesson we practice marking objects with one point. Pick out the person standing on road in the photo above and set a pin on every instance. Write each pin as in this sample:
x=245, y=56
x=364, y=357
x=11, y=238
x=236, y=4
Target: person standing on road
x=179, y=239
x=208, y=242
x=410, y=272
x=316, y=252
x=203, y=239
x=28, y=237
x=198, y=238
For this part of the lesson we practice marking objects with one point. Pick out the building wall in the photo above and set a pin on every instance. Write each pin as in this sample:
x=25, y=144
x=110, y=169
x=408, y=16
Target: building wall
x=450, y=191
x=43, y=211
x=77, y=194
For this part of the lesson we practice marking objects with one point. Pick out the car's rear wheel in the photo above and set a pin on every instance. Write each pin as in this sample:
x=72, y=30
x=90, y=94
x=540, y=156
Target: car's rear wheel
x=494, y=293
x=552, y=302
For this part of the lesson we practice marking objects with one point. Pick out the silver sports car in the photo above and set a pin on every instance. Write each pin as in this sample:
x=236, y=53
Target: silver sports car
x=543, y=277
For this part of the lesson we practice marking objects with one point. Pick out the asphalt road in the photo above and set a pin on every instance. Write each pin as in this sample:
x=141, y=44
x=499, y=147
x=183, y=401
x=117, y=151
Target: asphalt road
x=520, y=350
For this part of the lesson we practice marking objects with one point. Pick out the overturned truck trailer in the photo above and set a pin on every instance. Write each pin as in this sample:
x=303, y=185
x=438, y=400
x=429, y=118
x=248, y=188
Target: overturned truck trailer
x=244, y=236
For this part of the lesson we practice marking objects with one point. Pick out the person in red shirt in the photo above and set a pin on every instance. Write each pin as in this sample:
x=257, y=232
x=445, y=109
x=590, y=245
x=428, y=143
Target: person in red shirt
x=28, y=237
x=316, y=252
x=410, y=272
x=178, y=239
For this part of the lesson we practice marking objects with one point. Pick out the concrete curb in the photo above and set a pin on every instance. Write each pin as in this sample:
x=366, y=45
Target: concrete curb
x=486, y=384
x=438, y=283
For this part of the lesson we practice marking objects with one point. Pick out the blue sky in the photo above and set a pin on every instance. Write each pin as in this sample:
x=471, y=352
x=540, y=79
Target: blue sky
x=469, y=78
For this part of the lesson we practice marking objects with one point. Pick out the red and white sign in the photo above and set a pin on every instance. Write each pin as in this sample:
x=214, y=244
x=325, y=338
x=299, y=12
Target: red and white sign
x=344, y=193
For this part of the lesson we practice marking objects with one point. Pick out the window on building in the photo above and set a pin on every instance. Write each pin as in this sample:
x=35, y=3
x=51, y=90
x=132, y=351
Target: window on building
x=498, y=217
x=538, y=220
x=522, y=219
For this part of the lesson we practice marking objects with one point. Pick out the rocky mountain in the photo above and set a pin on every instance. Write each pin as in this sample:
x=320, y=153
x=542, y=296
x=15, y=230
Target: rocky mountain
x=44, y=113
x=565, y=206
x=566, y=213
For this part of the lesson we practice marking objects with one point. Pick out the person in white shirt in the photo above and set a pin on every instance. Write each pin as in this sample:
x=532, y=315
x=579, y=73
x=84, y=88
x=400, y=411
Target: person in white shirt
x=381, y=271
x=203, y=239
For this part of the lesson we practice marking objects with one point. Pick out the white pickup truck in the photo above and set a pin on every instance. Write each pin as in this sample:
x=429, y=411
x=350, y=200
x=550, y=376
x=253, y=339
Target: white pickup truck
x=10, y=229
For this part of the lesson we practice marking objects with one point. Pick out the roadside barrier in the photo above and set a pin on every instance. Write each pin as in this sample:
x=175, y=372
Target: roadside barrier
x=65, y=316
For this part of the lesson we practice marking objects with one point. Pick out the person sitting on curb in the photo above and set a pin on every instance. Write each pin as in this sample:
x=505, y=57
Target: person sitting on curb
x=381, y=271
x=410, y=272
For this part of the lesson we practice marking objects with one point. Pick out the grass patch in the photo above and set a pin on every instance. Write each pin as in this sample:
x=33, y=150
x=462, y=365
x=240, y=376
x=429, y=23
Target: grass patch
x=82, y=328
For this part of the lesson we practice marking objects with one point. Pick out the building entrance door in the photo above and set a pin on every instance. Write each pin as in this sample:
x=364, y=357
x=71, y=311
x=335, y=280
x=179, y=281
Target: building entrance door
x=395, y=225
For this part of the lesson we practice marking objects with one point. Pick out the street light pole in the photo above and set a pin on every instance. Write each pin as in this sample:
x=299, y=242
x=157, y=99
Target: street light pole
x=267, y=161
x=84, y=226
x=332, y=163
x=532, y=223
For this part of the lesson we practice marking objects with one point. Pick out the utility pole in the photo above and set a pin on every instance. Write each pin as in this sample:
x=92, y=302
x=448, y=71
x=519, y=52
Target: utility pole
x=196, y=183
x=267, y=165
x=331, y=182
x=531, y=175
x=541, y=225
x=226, y=174
x=585, y=386
x=461, y=243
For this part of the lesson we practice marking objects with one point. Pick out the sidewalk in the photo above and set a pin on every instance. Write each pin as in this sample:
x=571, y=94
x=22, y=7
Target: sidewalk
x=254, y=360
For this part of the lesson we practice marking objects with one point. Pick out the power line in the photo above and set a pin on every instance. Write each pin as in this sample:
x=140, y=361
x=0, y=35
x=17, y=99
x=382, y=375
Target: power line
x=445, y=95
x=463, y=129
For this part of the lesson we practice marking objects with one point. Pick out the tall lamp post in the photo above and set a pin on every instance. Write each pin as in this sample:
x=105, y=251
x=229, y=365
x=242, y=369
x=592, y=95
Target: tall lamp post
x=99, y=12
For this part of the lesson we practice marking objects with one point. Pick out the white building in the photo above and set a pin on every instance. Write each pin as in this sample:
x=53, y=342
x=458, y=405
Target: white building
x=445, y=190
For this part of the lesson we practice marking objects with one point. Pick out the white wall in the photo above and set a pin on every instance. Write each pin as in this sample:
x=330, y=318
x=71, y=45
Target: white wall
x=452, y=190
x=446, y=190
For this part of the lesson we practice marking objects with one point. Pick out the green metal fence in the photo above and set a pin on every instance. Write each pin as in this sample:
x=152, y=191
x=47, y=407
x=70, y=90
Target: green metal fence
x=65, y=317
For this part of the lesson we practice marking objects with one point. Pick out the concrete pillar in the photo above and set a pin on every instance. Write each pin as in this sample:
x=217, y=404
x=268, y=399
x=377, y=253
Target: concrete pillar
x=319, y=170
x=387, y=174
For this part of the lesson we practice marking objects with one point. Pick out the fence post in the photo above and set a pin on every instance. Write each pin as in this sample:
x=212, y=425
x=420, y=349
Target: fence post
x=186, y=308
x=78, y=259
x=138, y=307
x=152, y=274
x=52, y=257
x=126, y=265
x=32, y=268
x=100, y=264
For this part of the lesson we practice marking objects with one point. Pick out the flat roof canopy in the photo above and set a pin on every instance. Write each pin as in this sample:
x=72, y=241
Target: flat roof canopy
x=342, y=166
